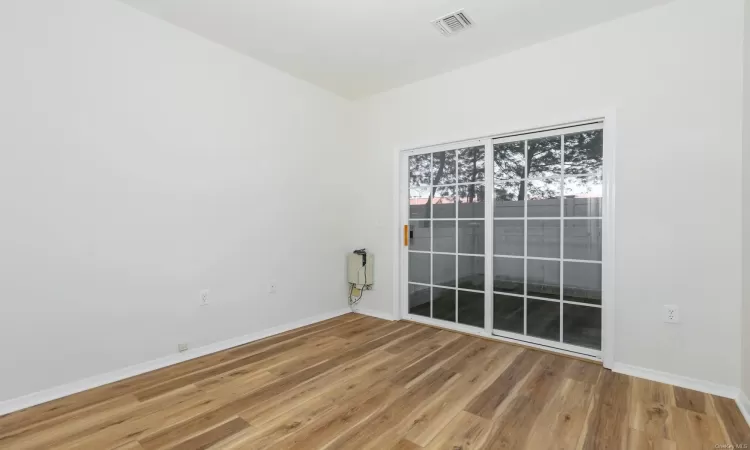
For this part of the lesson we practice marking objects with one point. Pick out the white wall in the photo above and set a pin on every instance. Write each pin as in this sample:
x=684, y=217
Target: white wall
x=673, y=75
x=746, y=206
x=140, y=164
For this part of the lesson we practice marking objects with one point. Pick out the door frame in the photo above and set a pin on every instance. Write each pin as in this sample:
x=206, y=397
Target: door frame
x=400, y=307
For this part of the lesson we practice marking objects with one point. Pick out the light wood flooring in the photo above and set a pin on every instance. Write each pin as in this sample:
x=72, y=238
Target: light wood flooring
x=356, y=382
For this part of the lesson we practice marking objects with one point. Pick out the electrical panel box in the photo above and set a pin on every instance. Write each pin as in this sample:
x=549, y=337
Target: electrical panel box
x=360, y=271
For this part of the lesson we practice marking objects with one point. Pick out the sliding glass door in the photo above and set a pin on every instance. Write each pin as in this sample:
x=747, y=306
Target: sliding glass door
x=505, y=235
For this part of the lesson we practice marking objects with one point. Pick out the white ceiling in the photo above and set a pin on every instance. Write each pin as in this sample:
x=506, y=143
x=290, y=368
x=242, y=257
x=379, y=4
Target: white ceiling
x=361, y=47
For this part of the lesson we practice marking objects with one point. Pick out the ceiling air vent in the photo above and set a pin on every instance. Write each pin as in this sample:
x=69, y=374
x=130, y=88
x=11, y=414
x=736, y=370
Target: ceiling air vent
x=453, y=23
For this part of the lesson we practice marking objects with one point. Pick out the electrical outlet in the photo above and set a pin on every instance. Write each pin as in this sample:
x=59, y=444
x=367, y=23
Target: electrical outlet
x=182, y=347
x=671, y=314
x=204, y=297
x=272, y=287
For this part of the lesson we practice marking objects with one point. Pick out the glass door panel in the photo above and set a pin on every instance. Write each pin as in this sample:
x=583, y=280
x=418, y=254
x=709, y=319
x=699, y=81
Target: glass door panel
x=529, y=210
x=447, y=235
x=547, y=239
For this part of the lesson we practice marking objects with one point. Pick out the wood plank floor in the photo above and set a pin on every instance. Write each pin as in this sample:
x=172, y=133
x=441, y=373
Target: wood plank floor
x=356, y=382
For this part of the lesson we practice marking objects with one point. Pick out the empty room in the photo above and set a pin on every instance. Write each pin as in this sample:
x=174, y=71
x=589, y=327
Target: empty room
x=375, y=224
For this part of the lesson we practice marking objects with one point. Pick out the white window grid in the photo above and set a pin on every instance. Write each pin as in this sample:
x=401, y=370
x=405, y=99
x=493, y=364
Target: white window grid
x=490, y=180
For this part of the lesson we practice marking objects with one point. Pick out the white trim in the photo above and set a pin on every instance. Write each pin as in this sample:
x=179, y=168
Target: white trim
x=37, y=398
x=401, y=302
x=426, y=252
x=546, y=178
x=476, y=331
x=577, y=350
x=400, y=288
x=510, y=219
x=608, y=242
x=540, y=258
x=562, y=238
x=553, y=300
x=453, y=326
x=708, y=387
x=591, y=125
x=604, y=121
x=448, y=146
x=743, y=403
x=520, y=129
x=375, y=313
x=525, y=238
x=447, y=219
x=588, y=305
x=446, y=287
x=489, y=236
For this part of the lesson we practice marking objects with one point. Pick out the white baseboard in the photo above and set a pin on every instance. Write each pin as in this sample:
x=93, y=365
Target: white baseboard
x=374, y=313
x=744, y=404
x=64, y=390
x=707, y=387
x=678, y=380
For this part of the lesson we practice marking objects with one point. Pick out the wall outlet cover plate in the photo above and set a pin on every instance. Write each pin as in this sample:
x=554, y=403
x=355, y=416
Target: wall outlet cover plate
x=671, y=313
